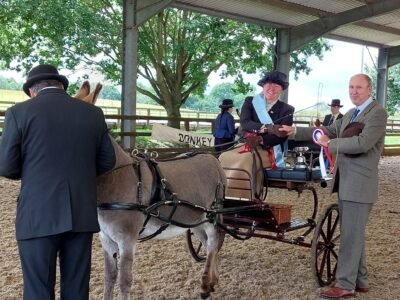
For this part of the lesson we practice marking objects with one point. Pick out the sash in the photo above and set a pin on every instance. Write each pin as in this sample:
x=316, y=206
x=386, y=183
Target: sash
x=262, y=114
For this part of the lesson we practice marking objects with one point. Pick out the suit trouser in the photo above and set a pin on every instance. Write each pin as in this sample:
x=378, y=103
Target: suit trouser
x=39, y=259
x=352, y=264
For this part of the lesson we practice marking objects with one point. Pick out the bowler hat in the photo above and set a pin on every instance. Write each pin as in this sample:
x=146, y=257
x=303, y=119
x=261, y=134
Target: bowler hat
x=275, y=77
x=226, y=103
x=335, y=102
x=43, y=72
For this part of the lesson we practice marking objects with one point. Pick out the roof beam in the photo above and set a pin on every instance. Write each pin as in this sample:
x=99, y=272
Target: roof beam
x=394, y=56
x=306, y=33
x=145, y=9
x=224, y=14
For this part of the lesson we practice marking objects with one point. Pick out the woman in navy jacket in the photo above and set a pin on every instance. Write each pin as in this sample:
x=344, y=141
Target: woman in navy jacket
x=224, y=127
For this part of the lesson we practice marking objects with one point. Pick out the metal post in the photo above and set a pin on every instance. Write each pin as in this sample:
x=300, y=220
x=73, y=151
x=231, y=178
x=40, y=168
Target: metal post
x=129, y=70
x=382, y=75
x=282, y=62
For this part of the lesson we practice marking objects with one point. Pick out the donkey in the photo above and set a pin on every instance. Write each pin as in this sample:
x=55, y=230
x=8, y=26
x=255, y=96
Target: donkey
x=198, y=179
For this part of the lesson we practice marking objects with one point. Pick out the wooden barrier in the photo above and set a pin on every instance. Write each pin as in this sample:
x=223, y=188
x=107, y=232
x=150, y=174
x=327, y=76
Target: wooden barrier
x=193, y=124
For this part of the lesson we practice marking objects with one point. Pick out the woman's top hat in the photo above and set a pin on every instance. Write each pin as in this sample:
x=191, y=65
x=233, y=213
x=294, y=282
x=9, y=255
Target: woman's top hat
x=335, y=102
x=275, y=77
x=226, y=103
x=43, y=72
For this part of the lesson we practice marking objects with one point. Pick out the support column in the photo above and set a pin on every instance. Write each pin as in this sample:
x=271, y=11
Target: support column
x=382, y=76
x=129, y=70
x=282, y=59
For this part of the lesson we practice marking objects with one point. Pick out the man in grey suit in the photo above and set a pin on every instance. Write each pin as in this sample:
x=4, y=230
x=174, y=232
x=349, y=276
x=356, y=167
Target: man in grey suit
x=356, y=181
x=56, y=145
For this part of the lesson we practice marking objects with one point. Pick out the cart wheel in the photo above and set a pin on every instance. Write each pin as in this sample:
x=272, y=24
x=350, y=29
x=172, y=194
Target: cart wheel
x=196, y=248
x=325, y=246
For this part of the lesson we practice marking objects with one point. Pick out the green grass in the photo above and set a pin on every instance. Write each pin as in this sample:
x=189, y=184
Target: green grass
x=390, y=140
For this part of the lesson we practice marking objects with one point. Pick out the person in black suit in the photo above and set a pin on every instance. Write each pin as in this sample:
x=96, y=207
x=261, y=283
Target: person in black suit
x=335, y=113
x=280, y=113
x=56, y=145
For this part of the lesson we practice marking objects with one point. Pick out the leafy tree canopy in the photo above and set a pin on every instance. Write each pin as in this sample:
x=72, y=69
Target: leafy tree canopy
x=177, y=49
x=9, y=84
x=393, y=88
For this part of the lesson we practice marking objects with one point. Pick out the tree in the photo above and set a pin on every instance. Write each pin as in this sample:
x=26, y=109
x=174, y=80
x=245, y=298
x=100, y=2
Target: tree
x=110, y=92
x=177, y=49
x=393, y=87
x=9, y=84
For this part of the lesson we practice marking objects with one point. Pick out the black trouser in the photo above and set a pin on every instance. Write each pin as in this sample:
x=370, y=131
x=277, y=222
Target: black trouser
x=219, y=141
x=39, y=259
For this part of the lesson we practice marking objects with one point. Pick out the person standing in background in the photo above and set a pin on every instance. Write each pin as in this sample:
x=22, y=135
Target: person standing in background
x=224, y=125
x=335, y=113
x=56, y=145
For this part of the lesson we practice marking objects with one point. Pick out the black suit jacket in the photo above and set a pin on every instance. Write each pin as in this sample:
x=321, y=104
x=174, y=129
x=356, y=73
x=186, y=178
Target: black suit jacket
x=281, y=114
x=329, y=117
x=56, y=145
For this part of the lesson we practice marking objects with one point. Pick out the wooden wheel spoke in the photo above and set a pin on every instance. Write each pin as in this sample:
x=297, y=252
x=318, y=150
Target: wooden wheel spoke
x=324, y=236
x=333, y=228
x=328, y=264
x=323, y=262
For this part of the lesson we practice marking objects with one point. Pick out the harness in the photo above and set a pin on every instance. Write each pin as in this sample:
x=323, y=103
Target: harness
x=161, y=195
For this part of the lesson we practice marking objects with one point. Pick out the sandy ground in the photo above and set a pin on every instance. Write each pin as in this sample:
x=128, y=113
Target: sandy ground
x=253, y=269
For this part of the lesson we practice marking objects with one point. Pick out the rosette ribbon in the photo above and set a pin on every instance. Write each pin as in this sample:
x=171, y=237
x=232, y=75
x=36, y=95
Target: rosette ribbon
x=317, y=134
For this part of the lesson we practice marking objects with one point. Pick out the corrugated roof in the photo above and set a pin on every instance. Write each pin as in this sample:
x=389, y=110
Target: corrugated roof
x=381, y=30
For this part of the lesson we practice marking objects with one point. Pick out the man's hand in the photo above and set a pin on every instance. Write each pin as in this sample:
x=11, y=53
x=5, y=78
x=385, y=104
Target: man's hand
x=287, y=130
x=323, y=140
x=317, y=123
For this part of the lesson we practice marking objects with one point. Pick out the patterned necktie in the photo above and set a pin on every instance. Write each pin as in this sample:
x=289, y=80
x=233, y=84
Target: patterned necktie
x=355, y=114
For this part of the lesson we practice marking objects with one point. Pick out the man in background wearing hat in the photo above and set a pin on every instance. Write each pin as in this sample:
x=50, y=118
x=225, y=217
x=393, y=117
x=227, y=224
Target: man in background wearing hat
x=335, y=113
x=258, y=113
x=224, y=125
x=56, y=145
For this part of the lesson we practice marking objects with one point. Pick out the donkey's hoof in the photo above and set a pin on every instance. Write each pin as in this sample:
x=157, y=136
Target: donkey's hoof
x=205, y=295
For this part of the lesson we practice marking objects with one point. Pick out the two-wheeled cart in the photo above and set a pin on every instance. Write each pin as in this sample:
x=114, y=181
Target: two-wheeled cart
x=274, y=221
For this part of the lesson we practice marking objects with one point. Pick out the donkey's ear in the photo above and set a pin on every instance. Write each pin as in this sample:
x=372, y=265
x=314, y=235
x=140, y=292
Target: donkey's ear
x=92, y=97
x=83, y=91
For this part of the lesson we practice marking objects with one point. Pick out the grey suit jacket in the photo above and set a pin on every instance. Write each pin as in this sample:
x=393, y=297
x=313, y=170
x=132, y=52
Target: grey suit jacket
x=56, y=145
x=356, y=178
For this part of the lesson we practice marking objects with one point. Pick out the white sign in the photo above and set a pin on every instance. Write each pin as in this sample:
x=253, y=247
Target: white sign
x=166, y=133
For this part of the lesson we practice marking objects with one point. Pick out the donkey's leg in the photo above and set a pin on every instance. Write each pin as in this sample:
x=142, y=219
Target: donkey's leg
x=127, y=249
x=110, y=251
x=210, y=275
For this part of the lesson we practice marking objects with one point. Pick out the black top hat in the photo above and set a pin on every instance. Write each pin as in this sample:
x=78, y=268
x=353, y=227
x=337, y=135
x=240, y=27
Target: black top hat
x=43, y=72
x=226, y=103
x=275, y=77
x=335, y=102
